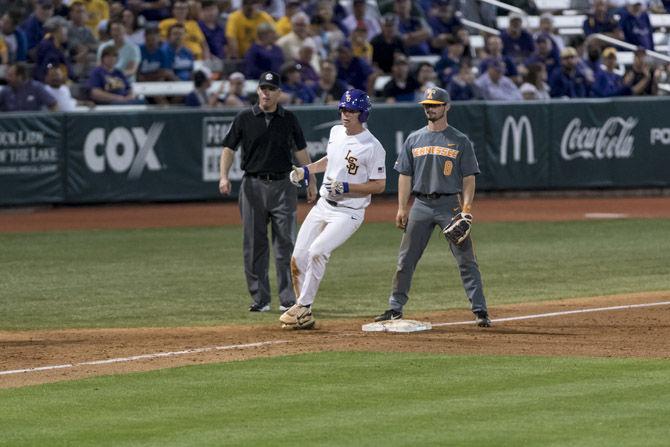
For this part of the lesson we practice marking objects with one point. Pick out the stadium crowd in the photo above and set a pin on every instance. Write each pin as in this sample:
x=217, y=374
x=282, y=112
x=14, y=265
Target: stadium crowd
x=58, y=54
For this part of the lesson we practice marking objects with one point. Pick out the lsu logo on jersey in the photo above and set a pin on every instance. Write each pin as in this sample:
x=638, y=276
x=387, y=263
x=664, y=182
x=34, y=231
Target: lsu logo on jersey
x=352, y=163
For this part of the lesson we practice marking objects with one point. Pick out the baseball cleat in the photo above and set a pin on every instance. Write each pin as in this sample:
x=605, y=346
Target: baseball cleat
x=259, y=307
x=482, y=319
x=283, y=308
x=297, y=317
x=306, y=326
x=390, y=314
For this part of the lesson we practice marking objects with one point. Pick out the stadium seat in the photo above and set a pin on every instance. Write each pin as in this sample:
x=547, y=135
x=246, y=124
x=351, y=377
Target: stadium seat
x=553, y=5
x=560, y=22
x=659, y=20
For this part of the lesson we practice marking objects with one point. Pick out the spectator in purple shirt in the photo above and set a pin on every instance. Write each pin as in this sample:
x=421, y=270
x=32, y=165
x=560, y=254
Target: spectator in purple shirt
x=293, y=85
x=199, y=97
x=494, y=48
x=329, y=10
x=644, y=77
x=462, y=85
x=179, y=57
x=636, y=25
x=495, y=86
x=235, y=96
x=414, y=32
x=155, y=65
x=599, y=20
x=545, y=53
x=547, y=28
x=308, y=74
x=24, y=94
x=33, y=27
x=329, y=90
x=263, y=55
x=15, y=38
x=108, y=85
x=353, y=70
x=607, y=82
x=444, y=22
x=568, y=81
x=213, y=31
x=52, y=49
x=517, y=42
x=448, y=64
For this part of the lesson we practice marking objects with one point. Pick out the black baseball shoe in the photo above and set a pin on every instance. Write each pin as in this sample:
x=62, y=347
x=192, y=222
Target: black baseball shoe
x=259, y=307
x=482, y=319
x=390, y=314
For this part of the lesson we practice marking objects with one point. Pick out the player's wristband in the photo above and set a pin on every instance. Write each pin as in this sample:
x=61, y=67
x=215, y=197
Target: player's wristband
x=345, y=187
x=305, y=171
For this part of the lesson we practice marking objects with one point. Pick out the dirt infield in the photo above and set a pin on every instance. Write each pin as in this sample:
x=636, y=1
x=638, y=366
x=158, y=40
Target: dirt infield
x=611, y=333
x=382, y=209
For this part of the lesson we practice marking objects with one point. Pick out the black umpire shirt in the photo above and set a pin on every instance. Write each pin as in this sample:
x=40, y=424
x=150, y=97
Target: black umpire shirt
x=267, y=147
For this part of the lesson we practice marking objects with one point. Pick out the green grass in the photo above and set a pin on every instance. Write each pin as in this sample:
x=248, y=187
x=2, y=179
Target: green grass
x=353, y=399
x=194, y=276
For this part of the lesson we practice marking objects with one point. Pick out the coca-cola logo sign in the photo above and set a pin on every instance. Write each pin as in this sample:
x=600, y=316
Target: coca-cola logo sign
x=612, y=140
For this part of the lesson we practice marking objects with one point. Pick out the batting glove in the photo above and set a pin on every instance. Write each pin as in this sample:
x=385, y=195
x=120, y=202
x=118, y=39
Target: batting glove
x=298, y=175
x=335, y=187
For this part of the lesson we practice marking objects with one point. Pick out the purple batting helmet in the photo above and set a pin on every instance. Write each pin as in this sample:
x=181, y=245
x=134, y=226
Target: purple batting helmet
x=356, y=100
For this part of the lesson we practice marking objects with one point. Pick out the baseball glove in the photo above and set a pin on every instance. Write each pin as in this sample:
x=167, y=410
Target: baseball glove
x=458, y=229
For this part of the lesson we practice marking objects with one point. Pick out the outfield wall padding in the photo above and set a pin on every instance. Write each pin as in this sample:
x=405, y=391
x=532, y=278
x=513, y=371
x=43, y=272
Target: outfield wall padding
x=173, y=155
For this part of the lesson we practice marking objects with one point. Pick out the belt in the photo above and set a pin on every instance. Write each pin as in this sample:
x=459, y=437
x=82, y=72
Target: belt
x=434, y=195
x=269, y=175
x=336, y=204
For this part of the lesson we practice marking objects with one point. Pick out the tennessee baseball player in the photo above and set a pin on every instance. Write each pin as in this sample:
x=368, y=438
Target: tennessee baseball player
x=355, y=168
x=438, y=166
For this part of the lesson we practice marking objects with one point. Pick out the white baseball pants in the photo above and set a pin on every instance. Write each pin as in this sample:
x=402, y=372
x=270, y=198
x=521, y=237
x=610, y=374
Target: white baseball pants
x=325, y=228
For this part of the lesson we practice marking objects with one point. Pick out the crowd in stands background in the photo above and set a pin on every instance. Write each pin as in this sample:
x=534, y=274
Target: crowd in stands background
x=86, y=52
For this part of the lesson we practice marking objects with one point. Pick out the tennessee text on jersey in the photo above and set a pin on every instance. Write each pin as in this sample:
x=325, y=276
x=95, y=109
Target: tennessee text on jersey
x=435, y=150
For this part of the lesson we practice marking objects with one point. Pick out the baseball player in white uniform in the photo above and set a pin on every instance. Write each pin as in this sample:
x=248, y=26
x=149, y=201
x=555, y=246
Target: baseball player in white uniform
x=354, y=168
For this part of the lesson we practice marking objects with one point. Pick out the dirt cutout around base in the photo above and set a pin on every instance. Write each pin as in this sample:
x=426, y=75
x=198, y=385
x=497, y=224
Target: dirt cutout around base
x=611, y=333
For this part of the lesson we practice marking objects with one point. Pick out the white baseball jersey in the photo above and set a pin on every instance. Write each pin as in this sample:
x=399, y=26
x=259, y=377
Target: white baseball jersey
x=354, y=159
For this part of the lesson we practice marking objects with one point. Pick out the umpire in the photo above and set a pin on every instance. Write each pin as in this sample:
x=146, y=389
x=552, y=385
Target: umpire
x=438, y=166
x=269, y=136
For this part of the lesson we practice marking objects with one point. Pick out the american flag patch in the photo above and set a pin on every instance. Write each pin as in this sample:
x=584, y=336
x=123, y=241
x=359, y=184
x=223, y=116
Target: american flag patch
x=380, y=169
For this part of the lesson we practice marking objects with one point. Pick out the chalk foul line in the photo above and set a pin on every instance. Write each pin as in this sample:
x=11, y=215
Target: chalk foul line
x=144, y=357
x=558, y=314
x=274, y=342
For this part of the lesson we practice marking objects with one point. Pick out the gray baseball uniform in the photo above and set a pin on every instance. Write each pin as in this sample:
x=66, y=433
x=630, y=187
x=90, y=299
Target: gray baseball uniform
x=437, y=163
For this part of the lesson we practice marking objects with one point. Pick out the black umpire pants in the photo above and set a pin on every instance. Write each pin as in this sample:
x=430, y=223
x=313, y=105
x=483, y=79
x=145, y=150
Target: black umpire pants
x=264, y=202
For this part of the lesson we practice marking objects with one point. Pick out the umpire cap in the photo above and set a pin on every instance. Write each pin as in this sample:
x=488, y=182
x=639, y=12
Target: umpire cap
x=269, y=78
x=435, y=95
